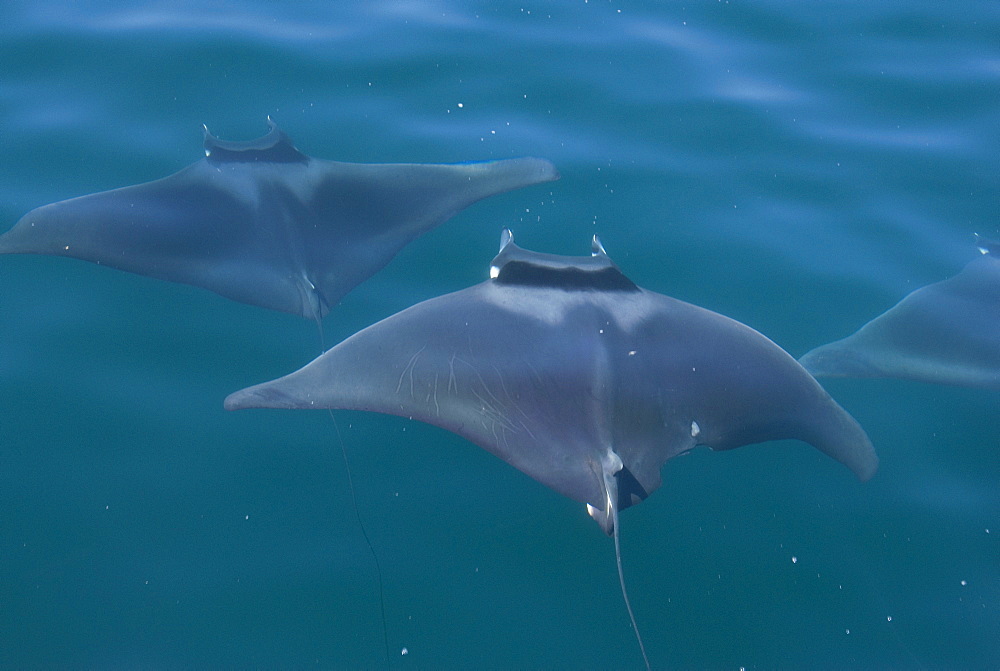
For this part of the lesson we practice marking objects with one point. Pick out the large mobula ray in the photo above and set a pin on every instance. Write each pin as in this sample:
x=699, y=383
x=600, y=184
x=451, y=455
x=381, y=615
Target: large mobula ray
x=262, y=223
x=946, y=333
x=564, y=368
x=567, y=370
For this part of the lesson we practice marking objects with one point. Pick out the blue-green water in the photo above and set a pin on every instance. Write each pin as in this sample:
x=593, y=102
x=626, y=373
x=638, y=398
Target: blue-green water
x=797, y=166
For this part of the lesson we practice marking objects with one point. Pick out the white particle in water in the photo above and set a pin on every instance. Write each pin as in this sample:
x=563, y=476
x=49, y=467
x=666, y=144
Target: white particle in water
x=795, y=560
x=404, y=651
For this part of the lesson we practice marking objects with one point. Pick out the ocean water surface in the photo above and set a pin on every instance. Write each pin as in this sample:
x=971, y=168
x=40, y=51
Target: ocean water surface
x=799, y=167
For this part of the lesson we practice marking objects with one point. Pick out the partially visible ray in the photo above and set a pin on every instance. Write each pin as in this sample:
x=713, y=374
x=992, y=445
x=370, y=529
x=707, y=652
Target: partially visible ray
x=944, y=333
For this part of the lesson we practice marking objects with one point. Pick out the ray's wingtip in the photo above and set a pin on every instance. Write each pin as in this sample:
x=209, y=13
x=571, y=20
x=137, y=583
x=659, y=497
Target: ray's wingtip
x=554, y=173
x=851, y=446
x=550, y=170
x=544, y=170
x=265, y=395
x=868, y=470
x=861, y=458
x=246, y=398
x=235, y=401
x=809, y=361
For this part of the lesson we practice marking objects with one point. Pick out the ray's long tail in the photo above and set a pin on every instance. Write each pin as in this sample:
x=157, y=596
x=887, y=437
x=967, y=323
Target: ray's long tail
x=621, y=580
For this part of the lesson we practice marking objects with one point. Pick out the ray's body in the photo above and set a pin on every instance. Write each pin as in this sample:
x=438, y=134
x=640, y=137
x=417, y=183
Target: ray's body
x=564, y=368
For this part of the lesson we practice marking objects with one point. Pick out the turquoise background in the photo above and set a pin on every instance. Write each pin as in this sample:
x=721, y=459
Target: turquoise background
x=797, y=166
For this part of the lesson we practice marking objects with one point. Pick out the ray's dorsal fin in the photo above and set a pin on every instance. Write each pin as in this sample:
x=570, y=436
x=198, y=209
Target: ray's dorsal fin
x=514, y=265
x=272, y=147
x=987, y=246
x=596, y=248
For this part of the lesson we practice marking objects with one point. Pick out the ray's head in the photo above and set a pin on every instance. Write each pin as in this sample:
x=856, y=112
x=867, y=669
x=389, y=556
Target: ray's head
x=515, y=265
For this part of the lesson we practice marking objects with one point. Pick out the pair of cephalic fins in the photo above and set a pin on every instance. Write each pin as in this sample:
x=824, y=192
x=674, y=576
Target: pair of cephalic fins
x=561, y=366
x=945, y=333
